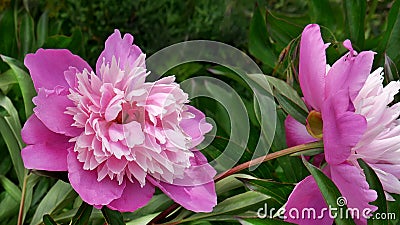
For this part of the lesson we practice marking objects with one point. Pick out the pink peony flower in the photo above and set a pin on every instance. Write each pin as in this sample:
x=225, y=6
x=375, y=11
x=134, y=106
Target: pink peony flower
x=117, y=136
x=349, y=112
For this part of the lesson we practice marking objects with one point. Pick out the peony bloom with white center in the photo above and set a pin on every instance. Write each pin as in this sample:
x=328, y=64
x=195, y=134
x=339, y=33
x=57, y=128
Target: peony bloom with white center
x=350, y=113
x=380, y=144
x=116, y=135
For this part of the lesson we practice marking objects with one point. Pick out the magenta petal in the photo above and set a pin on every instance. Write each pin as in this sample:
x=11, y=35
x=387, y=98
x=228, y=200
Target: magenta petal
x=342, y=129
x=296, y=133
x=352, y=184
x=306, y=194
x=196, y=127
x=122, y=48
x=51, y=106
x=198, y=198
x=133, y=197
x=86, y=185
x=47, y=67
x=47, y=150
x=312, y=66
x=349, y=72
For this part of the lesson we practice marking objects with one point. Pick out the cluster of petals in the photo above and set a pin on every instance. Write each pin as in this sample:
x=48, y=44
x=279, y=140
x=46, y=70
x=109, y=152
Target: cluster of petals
x=357, y=123
x=116, y=135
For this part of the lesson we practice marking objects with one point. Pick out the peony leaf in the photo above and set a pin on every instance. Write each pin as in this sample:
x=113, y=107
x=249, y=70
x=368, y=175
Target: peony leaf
x=82, y=215
x=329, y=191
x=47, y=220
x=259, y=45
x=112, y=217
x=375, y=184
x=355, y=11
x=279, y=191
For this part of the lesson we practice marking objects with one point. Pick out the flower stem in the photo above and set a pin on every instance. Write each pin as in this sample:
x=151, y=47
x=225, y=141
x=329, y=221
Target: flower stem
x=22, y=203
x=274, y=155
x=243, y=166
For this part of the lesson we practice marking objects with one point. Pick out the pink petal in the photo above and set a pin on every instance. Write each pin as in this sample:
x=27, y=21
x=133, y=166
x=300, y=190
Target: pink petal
x=50, y=109
x=352, y=184
x=198, y=198
x=349, y=72
x=196, y=127
x=47, y=150
x=133, y=197
x=121, y=48
x=296, y=133
x=312, y=66
x=86, y=185
x=306, y=194
x=342, y=128
x=47, y=67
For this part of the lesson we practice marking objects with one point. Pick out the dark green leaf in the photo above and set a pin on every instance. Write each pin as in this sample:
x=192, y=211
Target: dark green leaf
x=47, y=220
x=391, y=72
x=112, y=217
x=82, y=215
x=284, y=28
x=57, y=195
x=279, y=191
x=26, y=35
x=11, y=188
x=259, y=45
x=355, y=11
x=233, y=205
x=8, y=43
x=7, y=79
x=57, y=41
x=391, y=39
x=321, y=13
x=25, y=83
x=375, y=184
x=329, y=191
x=42, y=29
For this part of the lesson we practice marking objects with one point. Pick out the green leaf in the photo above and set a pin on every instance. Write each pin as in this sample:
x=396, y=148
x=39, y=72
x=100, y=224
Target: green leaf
x=321, y=12
x=284, y=28
x=82, y=215
x=14, y=148
x=286, y=96
x=329, y=191
x=355, y=11
x=278, y=191
x=375, y=184
x=389, y=43
x=25, y=83
x=390, y=71
x=57, y=41
x=11, y=188
x=258, y=221
x=233, y=205
x=8, y=206
x=7, y=79
x=26, y=35
x=112, y=217
x=56, y=196
x=47, y=220
x=259, y=45
x=42, y=28
x=8, y=44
